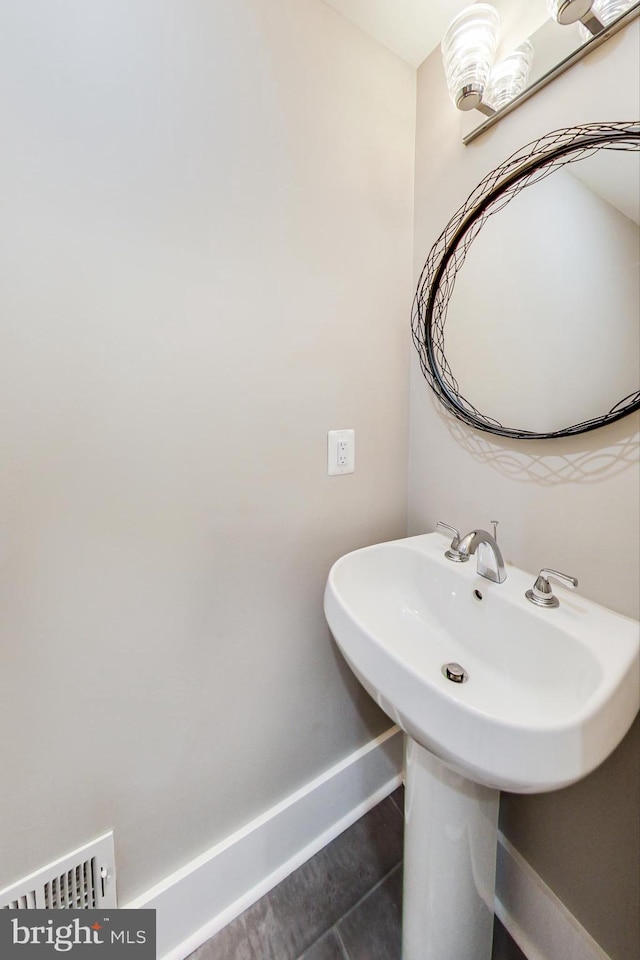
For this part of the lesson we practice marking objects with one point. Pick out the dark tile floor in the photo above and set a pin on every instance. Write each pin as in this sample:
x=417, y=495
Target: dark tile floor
x=343, y=904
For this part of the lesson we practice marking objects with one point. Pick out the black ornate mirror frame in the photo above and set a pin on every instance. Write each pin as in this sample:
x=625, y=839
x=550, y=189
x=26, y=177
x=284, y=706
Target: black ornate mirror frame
x=529, y=165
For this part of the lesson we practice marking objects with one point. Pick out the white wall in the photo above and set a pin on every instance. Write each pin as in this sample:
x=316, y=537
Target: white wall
x=570, y=504
x=205, y=259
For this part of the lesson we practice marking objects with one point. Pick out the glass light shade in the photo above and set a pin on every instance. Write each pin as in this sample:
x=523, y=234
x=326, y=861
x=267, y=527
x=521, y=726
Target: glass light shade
x=468, y=50
x=509, y=77
x=569, y=11
x=609, y=10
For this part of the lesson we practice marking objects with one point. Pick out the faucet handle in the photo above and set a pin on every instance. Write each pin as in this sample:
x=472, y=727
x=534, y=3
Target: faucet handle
x=452, y=553
x=541, y=594
x=445, y=526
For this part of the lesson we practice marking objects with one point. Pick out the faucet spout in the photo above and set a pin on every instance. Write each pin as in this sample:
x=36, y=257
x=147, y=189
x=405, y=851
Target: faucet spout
x=490, y=562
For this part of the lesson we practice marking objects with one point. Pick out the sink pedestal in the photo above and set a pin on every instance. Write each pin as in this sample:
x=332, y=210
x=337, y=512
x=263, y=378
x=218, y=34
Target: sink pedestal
x=451, y=834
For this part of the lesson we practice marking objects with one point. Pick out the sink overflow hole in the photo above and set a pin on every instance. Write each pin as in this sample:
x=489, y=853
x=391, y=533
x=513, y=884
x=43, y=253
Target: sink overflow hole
x=455, y=673
x=477, y=595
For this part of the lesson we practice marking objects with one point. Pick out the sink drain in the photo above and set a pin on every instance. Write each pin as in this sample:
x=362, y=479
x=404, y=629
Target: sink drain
x=455, y=673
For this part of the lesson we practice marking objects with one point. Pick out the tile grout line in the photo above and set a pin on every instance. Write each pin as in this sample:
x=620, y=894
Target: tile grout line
x=368, y=893
x=397, y=805
x=345, y=952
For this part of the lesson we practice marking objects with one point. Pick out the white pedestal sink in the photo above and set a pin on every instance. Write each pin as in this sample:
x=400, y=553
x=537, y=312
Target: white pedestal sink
x=550, y=693
x=451, y=834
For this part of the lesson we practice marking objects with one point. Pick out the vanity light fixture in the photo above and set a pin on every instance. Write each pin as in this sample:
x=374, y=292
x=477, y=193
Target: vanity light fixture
x=605, y=12
x=592, y=15
x=468, y=51
x=566, y=12
x=469, y=47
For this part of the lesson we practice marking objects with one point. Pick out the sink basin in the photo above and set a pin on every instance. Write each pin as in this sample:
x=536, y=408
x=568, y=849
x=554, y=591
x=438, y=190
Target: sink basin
x=550, y=692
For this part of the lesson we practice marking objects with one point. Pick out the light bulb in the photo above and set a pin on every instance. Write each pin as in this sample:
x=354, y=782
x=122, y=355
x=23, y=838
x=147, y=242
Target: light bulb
x=509, y=77
x=468, y=51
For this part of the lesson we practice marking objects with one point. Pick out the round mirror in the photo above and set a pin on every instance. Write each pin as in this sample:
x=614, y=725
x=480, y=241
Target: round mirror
x=539, y=335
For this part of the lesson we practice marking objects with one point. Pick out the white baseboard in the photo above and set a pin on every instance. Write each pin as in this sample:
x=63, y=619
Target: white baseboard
x=537, y=920
x=198, y=900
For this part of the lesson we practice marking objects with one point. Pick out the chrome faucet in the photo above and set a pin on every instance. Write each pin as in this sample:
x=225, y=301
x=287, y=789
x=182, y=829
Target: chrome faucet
x=489, y=555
